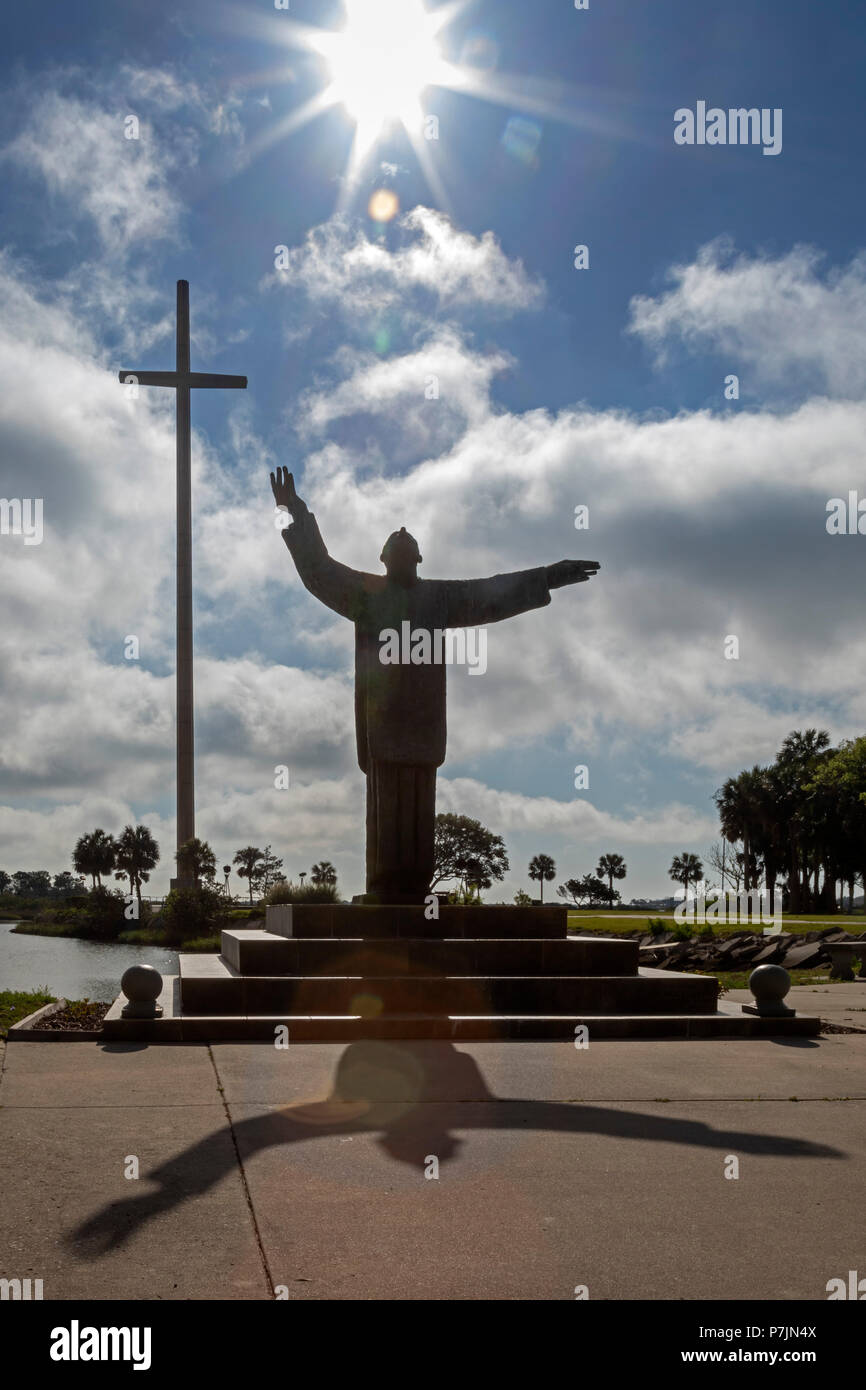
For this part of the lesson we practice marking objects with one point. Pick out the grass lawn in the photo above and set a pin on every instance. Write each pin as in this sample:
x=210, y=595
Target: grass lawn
x=16, y=1004
x=739, y=979
x=626, y=922
x=26, y=927
x=138, y=936
x=152, y=936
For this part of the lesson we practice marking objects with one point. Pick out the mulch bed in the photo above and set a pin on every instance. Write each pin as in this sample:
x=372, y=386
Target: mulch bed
x=79, y=1018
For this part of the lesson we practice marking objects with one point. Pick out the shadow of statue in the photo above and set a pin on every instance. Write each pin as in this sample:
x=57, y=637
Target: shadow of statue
x=413, y=1096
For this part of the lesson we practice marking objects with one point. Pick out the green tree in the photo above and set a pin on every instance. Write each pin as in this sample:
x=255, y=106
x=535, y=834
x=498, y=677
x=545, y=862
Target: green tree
x=5, y=881
x=747, y=809
x=32, y=883
x=137, y=853
x=796, y=765
x=793, y=824
x=584, y=892
x=65, y=886
x=571, y=890
x=838, y=790
x=269, y=872
x=685, y=869
x=196, y=860
x=324, y=875
x=248, y=861
x=94, y=855
x=543, y=870
x=611, y=866
x=466, y=850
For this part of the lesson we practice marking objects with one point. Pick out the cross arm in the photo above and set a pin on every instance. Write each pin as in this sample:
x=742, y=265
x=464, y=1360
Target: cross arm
x=212, y=379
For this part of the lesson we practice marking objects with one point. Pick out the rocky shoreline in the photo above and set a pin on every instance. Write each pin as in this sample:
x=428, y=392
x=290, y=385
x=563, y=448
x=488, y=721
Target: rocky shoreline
x=743, y=950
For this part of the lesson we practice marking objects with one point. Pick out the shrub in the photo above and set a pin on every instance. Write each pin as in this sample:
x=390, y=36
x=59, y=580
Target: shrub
x=467, y=896
x=656, y=925
x=295, y=893
x=103, y=918
x=192, y=912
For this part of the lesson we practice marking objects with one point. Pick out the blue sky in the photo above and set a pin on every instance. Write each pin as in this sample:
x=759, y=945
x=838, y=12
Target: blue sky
x=558, y=387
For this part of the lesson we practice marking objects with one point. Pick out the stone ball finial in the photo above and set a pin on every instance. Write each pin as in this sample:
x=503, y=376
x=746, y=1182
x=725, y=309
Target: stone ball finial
x=769, y=984
x=142, y=985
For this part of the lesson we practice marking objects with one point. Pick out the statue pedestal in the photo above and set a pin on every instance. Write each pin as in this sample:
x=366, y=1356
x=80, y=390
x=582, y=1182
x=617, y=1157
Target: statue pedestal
x=380, y=921
x=340, y=972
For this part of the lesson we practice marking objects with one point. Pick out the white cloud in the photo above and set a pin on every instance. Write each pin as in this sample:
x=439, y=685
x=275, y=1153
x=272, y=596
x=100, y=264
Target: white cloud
x=80, y=151
x=774, y=316
x=429, y=395
x=339, y=266
x=579, y=819
x=161, y=88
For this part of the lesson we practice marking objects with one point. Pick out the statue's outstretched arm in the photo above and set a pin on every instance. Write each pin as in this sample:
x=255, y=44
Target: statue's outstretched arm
x=283, y=488
x=474, y=602
x=570, y=572
x=335, y=585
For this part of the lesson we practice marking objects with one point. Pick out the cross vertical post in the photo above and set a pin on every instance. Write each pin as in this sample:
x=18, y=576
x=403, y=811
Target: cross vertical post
x=183, y=380
x=184, y=668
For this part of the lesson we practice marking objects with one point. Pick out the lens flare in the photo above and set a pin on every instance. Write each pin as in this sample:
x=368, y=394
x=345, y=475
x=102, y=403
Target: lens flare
x=383, y=205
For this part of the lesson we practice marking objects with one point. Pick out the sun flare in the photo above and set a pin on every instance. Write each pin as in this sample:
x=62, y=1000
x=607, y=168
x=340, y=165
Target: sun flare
x=381, y=67
x=381, y=62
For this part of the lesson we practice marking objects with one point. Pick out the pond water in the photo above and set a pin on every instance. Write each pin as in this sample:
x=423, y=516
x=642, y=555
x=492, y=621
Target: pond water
x=71, y=968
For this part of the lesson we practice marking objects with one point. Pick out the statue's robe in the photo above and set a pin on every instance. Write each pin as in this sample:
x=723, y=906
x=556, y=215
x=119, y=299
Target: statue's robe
x=400, y=709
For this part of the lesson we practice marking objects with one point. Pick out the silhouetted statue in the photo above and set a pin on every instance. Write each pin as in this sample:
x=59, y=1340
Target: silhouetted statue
x=400, y=704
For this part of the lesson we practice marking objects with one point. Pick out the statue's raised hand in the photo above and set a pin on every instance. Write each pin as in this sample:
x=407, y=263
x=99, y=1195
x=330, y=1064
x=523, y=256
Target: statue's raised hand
x=570, y=572
x=283, y=487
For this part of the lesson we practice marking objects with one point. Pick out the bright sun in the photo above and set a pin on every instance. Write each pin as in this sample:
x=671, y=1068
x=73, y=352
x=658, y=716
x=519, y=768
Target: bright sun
x=381, y=62
x=380, y=65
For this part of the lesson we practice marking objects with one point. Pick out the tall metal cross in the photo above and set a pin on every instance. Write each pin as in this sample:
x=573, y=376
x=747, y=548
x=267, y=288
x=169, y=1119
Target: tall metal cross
x=183, y=380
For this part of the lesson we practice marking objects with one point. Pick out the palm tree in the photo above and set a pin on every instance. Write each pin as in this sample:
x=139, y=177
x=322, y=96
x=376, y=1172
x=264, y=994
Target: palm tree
x=685, y=869
x=94, y=855
x=543, y=870
x=837, y=794
x=137, y=853
x=196, y=860
x=249, y=862
x=742, y=805
x=801, y=754
x=324, y=875
x=611, y=866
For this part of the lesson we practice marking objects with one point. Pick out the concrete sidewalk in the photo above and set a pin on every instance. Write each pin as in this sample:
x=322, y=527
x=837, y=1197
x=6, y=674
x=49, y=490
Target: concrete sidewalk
x=842, y=1002
x=304, y=1169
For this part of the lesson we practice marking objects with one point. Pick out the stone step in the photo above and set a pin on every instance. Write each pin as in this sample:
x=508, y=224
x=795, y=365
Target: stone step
x=343, y=920
x=494, y=1028
x=727, y=1022
x=252, y=952
x=209, y=985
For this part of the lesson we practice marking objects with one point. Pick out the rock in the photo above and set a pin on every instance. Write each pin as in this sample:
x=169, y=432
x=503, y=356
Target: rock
x=771, y=954
x=804, y=957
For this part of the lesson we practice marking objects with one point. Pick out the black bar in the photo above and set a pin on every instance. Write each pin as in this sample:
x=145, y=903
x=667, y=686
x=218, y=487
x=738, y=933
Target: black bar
x=189, y=379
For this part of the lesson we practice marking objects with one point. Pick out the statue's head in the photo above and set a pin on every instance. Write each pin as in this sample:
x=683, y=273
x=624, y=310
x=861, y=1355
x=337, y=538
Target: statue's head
x=401, y=556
